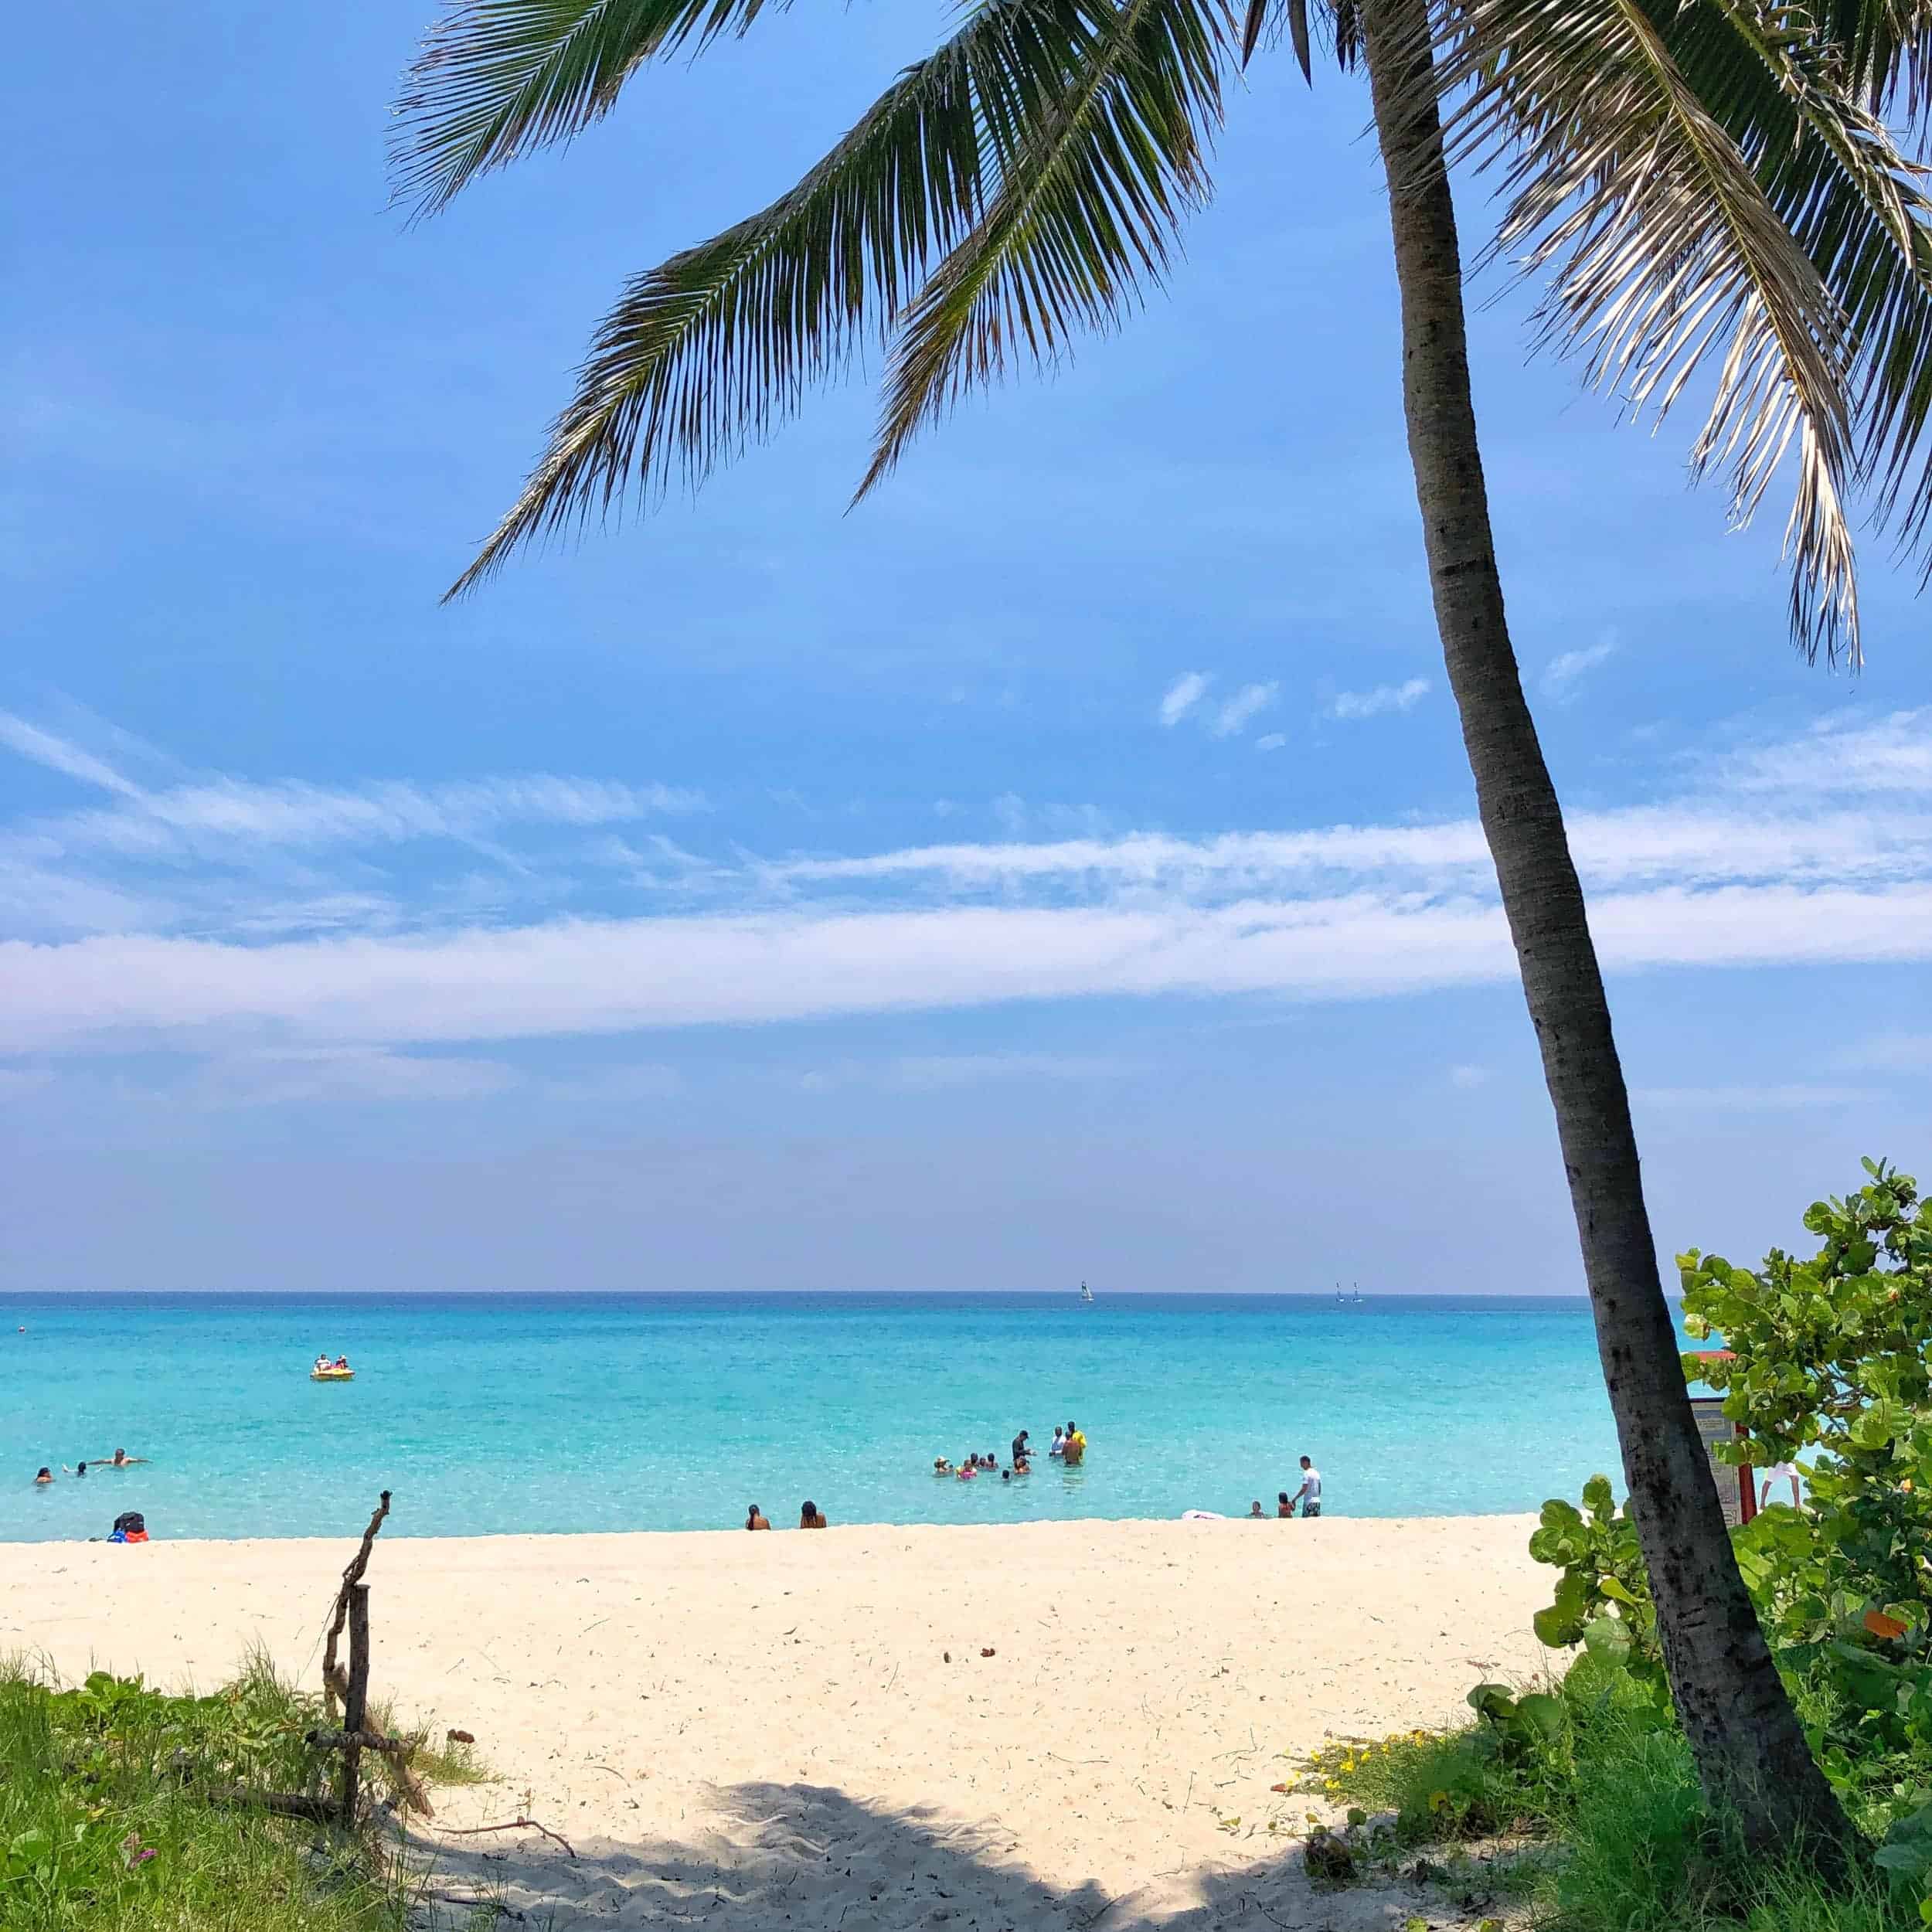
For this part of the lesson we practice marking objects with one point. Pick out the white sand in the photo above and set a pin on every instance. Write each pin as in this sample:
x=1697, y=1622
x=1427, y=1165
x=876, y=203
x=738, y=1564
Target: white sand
x=765, y=1730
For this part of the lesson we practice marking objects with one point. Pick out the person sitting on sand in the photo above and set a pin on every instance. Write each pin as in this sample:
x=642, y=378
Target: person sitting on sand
x=45, y=1474
x=1076, y=1450
x=755, y=1519
x=1256, y=1513
x=811, y=1516
x=1059, y=1442
x=1282, y=1506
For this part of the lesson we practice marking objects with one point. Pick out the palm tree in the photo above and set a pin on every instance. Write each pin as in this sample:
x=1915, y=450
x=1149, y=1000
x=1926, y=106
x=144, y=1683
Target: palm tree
x=1700, y=184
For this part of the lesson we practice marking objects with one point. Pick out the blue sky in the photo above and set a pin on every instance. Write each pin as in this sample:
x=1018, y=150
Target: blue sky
x=1061, y=864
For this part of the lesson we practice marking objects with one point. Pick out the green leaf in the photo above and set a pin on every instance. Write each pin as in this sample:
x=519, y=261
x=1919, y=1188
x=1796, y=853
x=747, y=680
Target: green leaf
x=1539, y=1714
x=1607, y=1637
x=1599, y=1499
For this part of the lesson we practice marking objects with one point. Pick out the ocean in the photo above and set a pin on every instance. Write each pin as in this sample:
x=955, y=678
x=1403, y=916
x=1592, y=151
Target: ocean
x=535, y=1413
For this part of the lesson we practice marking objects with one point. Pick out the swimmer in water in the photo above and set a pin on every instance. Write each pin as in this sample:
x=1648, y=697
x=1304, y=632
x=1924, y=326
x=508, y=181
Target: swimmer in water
x=45, y=1474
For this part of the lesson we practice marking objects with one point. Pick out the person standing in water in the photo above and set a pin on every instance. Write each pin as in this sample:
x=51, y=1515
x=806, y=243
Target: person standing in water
x=1309, y=1494
x=1020, y=1451
x=1075, y=1451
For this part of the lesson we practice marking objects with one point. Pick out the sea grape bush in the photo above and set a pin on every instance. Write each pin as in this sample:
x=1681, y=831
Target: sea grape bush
x=1829, y=1356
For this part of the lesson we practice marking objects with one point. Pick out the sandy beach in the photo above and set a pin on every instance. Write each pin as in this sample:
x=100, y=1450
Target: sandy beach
x=768, y=1730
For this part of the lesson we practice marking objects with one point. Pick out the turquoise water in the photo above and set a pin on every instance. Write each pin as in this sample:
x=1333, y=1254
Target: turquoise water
x=545, y=1412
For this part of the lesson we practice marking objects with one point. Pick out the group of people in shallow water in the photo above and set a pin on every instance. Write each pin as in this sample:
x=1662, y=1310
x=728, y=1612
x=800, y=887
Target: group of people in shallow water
x=1069, y=1446
x=119, y=1460
x=810, y=1517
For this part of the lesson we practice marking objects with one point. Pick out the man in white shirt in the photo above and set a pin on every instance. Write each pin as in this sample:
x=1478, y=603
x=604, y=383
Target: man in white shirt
x=1309, y=1494
x=1777, y=1471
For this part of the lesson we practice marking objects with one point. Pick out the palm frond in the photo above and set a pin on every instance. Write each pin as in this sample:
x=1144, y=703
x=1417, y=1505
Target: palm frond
x=1096, y=171
x=1886, y=46
x=1829, y=167
x=710, y=349
x=1666, y=258
x=495, y=79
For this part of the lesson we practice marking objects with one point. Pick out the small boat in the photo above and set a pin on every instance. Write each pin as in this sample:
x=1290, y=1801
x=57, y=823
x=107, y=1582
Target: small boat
x=1354, y=1301
x=1086, y=1293
x=331, y=1375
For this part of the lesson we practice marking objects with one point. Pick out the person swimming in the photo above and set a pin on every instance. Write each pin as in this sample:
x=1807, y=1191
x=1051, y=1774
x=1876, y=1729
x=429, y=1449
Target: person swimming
x=121, y=1460
x=941, y=1467
x=45, y=1474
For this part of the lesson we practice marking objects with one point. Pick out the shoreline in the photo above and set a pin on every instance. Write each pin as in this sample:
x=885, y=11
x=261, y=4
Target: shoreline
x=392, y=1533
x=1063, y=1720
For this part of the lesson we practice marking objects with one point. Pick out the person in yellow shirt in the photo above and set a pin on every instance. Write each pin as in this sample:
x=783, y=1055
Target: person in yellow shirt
x=1076, y=1450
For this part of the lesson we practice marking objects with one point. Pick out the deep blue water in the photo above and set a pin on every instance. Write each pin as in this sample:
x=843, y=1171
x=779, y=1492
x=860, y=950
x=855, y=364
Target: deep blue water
x=552, y=1413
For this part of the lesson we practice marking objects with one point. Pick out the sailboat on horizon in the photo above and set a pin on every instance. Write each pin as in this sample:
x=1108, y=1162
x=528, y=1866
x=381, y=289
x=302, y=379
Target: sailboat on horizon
x=1355, y=1300
x=1086, y=1293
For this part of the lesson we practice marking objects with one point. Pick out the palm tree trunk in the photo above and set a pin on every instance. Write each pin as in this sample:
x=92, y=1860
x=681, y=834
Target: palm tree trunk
x=1751, y=1754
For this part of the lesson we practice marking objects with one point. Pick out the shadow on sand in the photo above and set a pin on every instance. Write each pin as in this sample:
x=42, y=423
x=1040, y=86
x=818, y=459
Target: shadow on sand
x=810, y=1856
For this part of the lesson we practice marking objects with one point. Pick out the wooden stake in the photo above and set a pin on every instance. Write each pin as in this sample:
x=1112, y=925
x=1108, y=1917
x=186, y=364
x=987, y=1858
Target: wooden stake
x=355, y=1703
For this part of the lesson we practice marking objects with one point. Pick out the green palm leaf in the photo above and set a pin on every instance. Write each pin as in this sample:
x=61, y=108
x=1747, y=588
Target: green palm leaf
x=710, y=348
x=496, y=79
x=1095, y=174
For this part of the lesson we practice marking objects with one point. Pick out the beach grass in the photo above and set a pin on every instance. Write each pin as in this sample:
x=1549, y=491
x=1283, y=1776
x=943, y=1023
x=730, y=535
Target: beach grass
x=105, y=1824
x=1603, y=1829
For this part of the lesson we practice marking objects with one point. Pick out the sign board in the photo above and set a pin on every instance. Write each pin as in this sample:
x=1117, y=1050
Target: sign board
x=1737, y=1488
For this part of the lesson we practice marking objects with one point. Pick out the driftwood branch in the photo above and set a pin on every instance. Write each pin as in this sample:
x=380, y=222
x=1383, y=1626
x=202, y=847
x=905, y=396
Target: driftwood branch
x=285, y=1804
x=396, y=1750
x=335, y=1680
x=510, y=1825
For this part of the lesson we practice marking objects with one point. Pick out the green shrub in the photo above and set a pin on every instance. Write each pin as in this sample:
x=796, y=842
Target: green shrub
x=103, y=1827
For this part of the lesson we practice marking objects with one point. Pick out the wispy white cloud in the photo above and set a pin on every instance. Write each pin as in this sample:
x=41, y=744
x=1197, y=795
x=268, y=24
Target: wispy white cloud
x=176, y=854
x=1876, y=757
x=1563, y=675
x=1270, y=741
x=43, y=747
x=585, y=977
x=1234, y=716
x=1471, y=1076
x=1385, y=698
x=1729, y=876
x=1182, y=696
